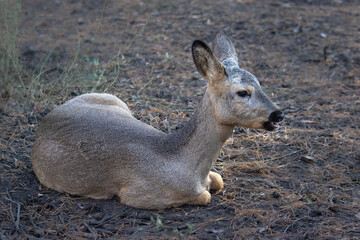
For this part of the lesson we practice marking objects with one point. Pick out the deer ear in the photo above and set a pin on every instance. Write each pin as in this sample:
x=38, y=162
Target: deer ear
x=207, y=63
x=223, y=47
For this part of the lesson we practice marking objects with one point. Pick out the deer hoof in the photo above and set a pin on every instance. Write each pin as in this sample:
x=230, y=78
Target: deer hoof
x=216, y=182
x=203, y=199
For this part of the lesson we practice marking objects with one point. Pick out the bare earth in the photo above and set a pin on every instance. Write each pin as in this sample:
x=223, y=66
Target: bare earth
x=300, y=182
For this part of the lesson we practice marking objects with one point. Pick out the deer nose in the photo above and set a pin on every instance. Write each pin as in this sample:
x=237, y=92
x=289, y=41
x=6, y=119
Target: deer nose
x=276, y=116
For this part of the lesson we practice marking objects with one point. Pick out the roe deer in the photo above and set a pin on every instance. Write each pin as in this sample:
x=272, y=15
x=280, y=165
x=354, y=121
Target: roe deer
x=92, y=145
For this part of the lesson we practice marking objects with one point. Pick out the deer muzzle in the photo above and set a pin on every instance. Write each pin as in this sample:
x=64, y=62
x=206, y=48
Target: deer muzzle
x=274, y=118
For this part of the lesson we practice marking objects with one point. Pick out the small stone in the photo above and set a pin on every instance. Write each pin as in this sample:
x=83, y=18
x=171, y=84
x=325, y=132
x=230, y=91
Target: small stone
x=80, y=21
x=345, y=58
x=286, y=85
x=297, y=29
x=195, y=75
x=351, y=164
x=98, y=215
x=334, y=208
x=275, y=194
x=308, y=159
x=215, y=231
x=38, y=232
x=350, y=75
x=315, y=213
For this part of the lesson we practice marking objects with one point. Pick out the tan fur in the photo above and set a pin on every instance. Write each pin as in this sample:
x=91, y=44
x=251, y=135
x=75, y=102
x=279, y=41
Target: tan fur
x=216, y=182
x=92, y=146
x=203, y=199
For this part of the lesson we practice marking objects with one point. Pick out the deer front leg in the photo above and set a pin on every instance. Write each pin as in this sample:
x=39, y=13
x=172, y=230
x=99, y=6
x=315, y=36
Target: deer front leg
x=216, y=182
x=203, y=199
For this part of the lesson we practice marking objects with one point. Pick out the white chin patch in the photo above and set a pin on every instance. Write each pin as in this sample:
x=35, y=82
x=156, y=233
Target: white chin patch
x=275, y=124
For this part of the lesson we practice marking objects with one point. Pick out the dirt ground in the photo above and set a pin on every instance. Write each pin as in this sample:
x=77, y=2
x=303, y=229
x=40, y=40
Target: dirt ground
x=300, y=182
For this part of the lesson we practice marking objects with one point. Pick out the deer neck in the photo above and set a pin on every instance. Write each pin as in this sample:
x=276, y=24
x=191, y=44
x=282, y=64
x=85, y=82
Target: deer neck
x=199, y=142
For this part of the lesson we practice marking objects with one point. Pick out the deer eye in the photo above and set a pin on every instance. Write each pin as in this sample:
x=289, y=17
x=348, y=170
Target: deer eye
x=243, y=94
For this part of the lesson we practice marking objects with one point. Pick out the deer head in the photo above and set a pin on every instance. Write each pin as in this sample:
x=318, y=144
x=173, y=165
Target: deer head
x=235, y=94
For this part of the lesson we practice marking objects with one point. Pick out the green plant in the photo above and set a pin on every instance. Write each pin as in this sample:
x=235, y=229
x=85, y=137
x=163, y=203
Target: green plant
x=189, y=230
x=158, y=224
